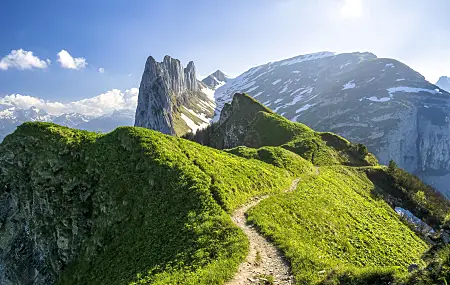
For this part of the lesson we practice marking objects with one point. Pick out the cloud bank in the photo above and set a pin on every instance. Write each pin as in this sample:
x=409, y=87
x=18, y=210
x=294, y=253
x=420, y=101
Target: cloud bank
x=22, y=59
x=67, y=61
x=102, y=104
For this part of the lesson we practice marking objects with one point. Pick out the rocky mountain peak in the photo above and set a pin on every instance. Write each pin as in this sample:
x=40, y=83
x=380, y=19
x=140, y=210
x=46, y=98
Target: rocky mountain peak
x=166, y=87
x=215, y=79
x=219, y=75
x=444, y=83
x=191, y=77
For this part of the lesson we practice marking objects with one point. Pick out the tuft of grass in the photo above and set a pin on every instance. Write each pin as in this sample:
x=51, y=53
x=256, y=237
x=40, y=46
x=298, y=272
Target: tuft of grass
x=258, y=258
x=265, y=279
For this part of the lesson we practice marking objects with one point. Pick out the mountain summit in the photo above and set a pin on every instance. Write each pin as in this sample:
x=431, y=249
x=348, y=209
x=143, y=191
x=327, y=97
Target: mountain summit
x=171, y=99
x=216, y=79
x=444, y=83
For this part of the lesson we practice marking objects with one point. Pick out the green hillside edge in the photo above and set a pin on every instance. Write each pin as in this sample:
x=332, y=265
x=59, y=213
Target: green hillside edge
x=156, y=204
x=153, y=209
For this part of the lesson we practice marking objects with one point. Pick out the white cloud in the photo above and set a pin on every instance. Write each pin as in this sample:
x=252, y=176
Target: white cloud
x=101, y=70
x=352, y=9
x=99, y=105
x=22, y=59
x=67, y=61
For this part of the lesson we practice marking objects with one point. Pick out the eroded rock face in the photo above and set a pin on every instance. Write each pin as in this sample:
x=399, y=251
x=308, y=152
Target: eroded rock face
x=41, y=231
x=166, y=87
x=379, y=102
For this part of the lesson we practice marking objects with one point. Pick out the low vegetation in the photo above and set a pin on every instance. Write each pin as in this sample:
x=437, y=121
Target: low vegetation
x=402, y=189
x=258, y=126
x=333, y=231
x=149, y=208
x=140, y=207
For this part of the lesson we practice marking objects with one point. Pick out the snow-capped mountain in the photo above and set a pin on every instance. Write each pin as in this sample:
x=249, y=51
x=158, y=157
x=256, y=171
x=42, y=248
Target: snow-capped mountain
x=11, y=117
x=171, y=99
x=71, y=120
x=216, y=79
x=108, y=123
x=380, y=102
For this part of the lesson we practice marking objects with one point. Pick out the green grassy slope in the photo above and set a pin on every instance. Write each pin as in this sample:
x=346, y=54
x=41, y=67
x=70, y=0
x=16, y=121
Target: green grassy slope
x=245, y=122
x=149, y=208
x=332, y=227
x=140, y=207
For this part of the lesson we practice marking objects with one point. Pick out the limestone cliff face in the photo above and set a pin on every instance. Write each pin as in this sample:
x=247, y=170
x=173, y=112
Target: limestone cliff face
x=166, y=87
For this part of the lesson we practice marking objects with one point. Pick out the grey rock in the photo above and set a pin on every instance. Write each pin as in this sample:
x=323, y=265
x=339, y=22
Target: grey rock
x=413, y=267
x=166, y=87
x=445, y=236
x=215, y=79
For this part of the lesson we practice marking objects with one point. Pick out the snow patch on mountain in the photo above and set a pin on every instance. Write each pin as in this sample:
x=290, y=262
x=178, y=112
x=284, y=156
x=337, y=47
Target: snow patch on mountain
x=349, y=85
x=276, y=82
x=407, y=89
x=278, y=101
x=304, y=108
x=253, y=89
x=307, y=57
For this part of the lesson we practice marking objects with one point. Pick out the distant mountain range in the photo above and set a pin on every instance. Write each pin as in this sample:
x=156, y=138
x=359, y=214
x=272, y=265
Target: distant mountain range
x=11, y=117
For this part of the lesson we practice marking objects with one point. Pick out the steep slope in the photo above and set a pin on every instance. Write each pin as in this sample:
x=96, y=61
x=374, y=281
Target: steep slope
x=130, y=206
x=379, y=102
x=171, y=100
x=337, y=227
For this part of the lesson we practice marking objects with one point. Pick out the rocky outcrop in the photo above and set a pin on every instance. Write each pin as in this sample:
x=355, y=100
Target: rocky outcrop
x=379, y=102
x=444, y=83
x=216, y=79
x=167, y=94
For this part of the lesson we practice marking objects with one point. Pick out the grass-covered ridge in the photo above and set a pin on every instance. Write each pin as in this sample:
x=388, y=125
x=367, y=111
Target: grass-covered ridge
x=246, y=122
x=338, y=227
x=147, y=208
x=332, y=228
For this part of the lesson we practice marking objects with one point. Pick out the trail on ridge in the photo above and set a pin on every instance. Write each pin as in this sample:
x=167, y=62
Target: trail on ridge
x=264, y=261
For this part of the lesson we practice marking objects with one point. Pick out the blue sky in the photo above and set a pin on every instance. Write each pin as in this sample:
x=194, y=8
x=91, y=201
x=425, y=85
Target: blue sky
x=229, y=35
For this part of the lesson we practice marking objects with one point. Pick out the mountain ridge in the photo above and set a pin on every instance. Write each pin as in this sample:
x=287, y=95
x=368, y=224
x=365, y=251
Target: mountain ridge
x=215, y=79
x=379, y=102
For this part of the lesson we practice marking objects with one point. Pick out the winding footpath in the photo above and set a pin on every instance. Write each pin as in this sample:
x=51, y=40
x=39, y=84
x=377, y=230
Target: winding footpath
x=264, y=260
